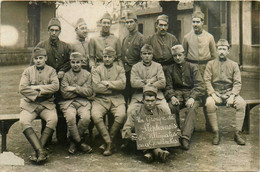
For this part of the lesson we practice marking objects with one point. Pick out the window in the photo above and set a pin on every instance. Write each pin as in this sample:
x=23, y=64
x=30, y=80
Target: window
x=140, y=28
x=255, y=23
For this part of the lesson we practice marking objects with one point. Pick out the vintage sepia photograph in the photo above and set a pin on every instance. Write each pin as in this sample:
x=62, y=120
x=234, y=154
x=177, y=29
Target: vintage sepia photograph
x=116, y=85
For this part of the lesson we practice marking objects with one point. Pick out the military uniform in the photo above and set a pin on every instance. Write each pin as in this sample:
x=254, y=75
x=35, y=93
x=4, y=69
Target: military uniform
x=81, y=46
x=76, y=103
x=139, y=74
x=184, y=81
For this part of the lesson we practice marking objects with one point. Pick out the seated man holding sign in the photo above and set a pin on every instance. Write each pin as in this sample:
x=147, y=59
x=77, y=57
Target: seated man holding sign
x=151, y=127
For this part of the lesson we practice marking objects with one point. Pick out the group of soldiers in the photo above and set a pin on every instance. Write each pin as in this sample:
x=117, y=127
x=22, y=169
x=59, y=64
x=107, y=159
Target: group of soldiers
x=144, y=76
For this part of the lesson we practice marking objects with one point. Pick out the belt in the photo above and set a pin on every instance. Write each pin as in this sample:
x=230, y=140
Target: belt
x=198, y=61
x=221, y=87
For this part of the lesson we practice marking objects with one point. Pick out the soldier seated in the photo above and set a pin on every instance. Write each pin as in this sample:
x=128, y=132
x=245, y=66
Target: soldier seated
x=223, y=81
x=184, y=86
x=149, y=107
x=108, y=82
x=147, y=72
x=37, y=86
x=76, y=87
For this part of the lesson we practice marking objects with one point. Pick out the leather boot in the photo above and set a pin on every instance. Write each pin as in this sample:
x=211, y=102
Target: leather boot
x=104, y=133
x=148, y=156
x=72, y=148
x=46, y=134
x=238, y=138
x=185, y=144
x=36, y=144
x=216, y=138
x=113, y=132
x=83, y=145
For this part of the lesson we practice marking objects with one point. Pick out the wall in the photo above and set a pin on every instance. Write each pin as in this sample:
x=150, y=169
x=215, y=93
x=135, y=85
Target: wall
x=186, y=24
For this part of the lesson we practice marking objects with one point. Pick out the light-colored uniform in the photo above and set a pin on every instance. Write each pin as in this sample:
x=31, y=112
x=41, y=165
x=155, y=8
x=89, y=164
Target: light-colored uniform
x=139, y=74
x=40, y=102
x=82, y=46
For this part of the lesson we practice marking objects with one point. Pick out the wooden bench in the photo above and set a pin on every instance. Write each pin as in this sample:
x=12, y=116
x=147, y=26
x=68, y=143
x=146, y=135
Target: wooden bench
x=7, y=120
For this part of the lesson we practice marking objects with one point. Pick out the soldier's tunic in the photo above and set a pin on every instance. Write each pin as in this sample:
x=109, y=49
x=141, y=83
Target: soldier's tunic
x=82, y=46
x=108, y=98
x=77, y=103
x=223, y=78
x=98, y=44
x=162, y=48
x=184, y=81
x=40, y=102
x=131, y=50
x=58, y=54
x=199, y=48
x=139, y=75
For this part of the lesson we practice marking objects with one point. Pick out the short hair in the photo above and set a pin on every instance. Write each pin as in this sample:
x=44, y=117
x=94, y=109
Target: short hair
x=149, y=93
x=147, y=47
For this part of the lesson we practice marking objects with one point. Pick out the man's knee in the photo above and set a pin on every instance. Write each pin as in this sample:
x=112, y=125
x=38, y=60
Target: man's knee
x=52, y=121
x=210, y=105
x=85, y=119
x=240, y=104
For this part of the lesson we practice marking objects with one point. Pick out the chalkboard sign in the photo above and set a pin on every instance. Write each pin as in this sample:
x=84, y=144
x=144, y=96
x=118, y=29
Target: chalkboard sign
x=156, y=131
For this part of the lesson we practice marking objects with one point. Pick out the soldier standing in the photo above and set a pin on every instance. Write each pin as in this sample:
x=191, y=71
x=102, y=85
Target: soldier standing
x=76, y=87
x=162, y=42
x=108, y=82
x=38, y=85
x=223, y=81
x=82, y=43
x=199, y=47
x=105, y=39
x=184, y=87
x=131, y=50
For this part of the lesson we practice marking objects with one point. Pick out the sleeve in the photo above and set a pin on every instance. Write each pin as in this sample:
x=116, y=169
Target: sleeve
x=53, y=86
x=64, y=84
x=92, y=53
x=86, y=89
x=175, y=41
x=212, y=48
x=120, y=82
x=136, y=80
x=161, y=82
x=207, y=79
x=236, y=80
x=169, y=91
x=198, y=83
x=25, y=89
x=66, y=65
x=97, y=86
x=118, y=52
x=129, y=126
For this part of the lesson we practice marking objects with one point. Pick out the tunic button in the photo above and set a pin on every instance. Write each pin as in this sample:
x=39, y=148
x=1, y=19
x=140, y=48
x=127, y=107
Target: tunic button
x=56, y=59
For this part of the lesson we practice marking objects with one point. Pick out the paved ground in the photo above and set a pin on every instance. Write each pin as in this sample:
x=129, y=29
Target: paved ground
x=202, y=156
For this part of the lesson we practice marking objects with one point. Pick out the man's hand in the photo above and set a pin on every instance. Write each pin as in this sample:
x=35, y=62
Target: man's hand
x=105, y=83
x=175, y=101
x=35, y=87
x=70, y=88
x=134, y=137
x=190, y=103
x=230, y=101
x=60, y=74
x=216, y=98
x=151, y=81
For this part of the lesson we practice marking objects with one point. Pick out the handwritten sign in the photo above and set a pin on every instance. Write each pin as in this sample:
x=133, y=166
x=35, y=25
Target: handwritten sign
x=156, y=132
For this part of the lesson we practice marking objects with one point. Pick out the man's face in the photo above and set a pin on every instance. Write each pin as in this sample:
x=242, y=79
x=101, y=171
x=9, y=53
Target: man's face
x=147, y=56
x=130, y=24
x=108, y=59
x=222, y=51
x=197, y=24
x=82, y=31
x=54, y=32
x=149, y=102
x=106, y=24
x=179, y=58
x=76, y=65
x=162, y=27
x=39, y=61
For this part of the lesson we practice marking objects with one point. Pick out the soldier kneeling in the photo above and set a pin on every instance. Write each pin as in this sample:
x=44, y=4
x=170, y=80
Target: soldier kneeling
x=38, y=84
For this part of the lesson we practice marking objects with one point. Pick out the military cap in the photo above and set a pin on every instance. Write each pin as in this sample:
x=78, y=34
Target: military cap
x=80, y=22
x=109, y=51
x=150, y=88
x=163, y=17
x=106, y=16
x=54, y=22
x=131, y=15
x=147, y=47
x=177, y=49
x=223, y=42
x=198, y=14
x=76, y=56
x=39, y=52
